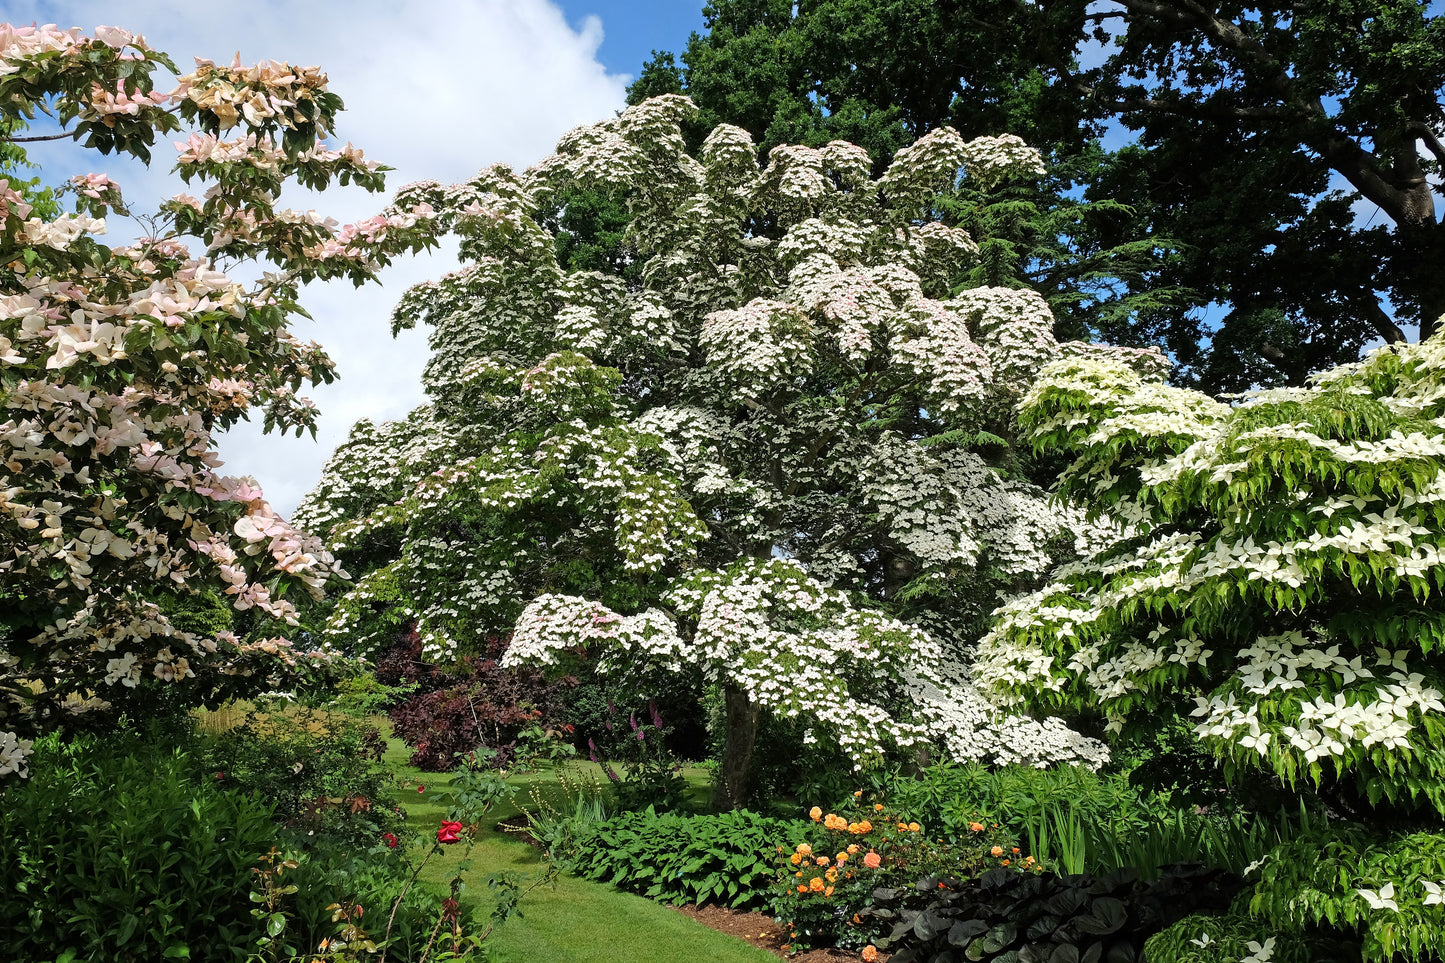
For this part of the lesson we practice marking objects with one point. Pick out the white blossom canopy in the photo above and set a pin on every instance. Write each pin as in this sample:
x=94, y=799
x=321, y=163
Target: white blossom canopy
x=782, y=405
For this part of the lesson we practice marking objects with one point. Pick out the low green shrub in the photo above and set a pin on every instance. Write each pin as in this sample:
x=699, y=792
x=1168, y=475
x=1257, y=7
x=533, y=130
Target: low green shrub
x=125, y=847
x=114, y=850
x=1010, y=917
x=1381, y=890
x=729, y=858
x=322, y=771
x=364, y=695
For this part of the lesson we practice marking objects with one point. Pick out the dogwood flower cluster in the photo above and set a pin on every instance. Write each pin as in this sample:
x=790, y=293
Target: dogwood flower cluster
x=798, y=648
x=119, y=364
x=13, y=754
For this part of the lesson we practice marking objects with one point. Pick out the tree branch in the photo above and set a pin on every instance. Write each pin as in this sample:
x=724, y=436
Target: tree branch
x=1423, y=132
x=1383, y=324
x=1340, y=151
x=35, y=139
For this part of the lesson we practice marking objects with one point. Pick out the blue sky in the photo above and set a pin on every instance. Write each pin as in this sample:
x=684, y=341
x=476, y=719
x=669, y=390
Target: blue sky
x=632, y=29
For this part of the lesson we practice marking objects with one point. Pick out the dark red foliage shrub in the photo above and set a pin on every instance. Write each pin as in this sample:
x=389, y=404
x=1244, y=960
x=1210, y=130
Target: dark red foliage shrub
x=472, y=703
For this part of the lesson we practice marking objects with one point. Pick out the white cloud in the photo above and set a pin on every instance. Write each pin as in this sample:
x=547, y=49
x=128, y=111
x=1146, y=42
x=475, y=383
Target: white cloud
x=434, y=95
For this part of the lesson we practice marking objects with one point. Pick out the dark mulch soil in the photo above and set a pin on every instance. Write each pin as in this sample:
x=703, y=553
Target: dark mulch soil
x=762, y=932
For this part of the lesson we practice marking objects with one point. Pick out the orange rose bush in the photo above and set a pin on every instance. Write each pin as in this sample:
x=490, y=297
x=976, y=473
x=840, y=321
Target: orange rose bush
x=826, y=884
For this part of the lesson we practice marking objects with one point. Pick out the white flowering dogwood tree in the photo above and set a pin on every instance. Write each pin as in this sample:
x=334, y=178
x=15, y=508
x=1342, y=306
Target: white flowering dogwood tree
x=1284, y=590
x=768, y=453
x=118, y=365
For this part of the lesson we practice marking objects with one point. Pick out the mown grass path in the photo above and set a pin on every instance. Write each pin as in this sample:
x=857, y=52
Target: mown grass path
x=574, y=922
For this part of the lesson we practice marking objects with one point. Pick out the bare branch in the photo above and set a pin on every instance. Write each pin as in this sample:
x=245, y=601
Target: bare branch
x=38, y=137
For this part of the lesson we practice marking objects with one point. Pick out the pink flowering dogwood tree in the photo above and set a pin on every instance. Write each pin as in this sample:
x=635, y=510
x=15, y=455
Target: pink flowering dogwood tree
x=119, y=364
x=768, y=455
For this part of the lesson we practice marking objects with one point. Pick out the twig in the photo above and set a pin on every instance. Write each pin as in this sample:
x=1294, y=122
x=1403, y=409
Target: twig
x=386, y=938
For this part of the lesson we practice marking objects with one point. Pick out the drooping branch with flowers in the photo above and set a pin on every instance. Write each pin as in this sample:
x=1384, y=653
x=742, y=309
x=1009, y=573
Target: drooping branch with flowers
x=771, y=460
x=1283, y=591
x=119, y=364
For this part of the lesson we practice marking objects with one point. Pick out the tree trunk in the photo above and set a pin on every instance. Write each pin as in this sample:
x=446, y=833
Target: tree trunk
x=1419, y=274
x=731, y=789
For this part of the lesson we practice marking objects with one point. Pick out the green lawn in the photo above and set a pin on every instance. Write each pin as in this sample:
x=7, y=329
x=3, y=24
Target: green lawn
x=573, y=922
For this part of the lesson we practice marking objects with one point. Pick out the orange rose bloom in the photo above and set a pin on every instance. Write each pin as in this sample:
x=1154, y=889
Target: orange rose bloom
x=903, y=827
x=996, y=851
x=858, y=794
x=865, y=827
x=821, y=860
x=870, y=953
x=914, y=827
x=832, y=874
x=872, y=860
x=816, y=884
x=816, y=813
x=877, y=807
x=795, y=859
x=804, y=849
x=975, y=827
x=842, y=858
x=828, y=891
x=853, y=849
x=802, y=889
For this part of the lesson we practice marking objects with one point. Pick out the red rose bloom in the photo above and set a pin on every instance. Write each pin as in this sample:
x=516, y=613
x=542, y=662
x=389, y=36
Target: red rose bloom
x=390, y=839
x=448, y=833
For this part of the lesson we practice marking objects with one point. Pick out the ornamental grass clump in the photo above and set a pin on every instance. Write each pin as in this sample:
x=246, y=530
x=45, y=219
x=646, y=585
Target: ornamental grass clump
x=827, y=880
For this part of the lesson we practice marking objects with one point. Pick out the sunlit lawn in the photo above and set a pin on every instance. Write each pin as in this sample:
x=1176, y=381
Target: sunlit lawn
x=573, y=920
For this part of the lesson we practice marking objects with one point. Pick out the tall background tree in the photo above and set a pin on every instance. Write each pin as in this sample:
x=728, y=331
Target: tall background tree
x=1265, y=205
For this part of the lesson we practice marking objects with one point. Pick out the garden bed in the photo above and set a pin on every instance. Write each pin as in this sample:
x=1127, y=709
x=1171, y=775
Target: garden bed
x=761, y=931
